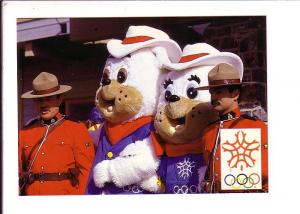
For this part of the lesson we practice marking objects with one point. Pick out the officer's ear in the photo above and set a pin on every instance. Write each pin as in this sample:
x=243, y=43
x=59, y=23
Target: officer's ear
x=59, y=99
x=236, y=94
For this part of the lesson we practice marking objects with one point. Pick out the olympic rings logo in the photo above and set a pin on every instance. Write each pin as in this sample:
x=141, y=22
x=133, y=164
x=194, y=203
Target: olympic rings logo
x=184, y=189
x=241, y=180
x=133, y=188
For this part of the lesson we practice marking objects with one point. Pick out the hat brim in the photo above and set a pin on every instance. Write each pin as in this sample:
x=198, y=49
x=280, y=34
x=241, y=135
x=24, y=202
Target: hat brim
x=212, y=59
x=224, y=85
x=119, y=50
x=31, y=95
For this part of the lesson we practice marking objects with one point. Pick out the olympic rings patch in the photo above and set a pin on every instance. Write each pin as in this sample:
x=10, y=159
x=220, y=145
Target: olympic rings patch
x=133, y=188
x=241, y=180
x=184, y=189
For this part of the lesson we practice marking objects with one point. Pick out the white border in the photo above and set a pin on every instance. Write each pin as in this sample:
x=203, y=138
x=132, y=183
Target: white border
x=283, y=103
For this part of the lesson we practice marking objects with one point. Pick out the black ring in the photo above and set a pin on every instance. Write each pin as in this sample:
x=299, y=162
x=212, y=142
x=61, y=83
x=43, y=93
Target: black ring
x=244, y=182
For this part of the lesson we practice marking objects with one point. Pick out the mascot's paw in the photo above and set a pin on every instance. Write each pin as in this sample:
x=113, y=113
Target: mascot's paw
x=101, y=174
x=153, y=184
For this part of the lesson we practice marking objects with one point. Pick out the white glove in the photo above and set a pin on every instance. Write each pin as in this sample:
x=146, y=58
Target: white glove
x=101, y=174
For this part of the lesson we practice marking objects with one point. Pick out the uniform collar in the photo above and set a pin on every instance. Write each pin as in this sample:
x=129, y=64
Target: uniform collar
x=52, y=120
x=231, y=115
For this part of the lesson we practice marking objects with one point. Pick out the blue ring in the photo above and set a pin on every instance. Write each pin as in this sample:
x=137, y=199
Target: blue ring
x=233, y=180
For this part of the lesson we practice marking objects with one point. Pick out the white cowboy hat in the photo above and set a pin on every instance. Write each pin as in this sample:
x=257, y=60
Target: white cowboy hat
x=45, y=85
x=204, y=54
x=138, y=37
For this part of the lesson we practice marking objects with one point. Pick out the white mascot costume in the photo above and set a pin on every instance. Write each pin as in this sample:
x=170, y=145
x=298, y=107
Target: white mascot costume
x=125, y=161
x=183, y=112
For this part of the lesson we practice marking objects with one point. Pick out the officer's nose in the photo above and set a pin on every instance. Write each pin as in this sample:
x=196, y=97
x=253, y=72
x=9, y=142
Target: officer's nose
x=173, y=98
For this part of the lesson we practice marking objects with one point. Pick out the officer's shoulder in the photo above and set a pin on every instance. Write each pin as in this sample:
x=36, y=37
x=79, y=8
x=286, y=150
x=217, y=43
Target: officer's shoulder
x=253, y=119
x=74, y=122
x=248, y=117
x=71, y=120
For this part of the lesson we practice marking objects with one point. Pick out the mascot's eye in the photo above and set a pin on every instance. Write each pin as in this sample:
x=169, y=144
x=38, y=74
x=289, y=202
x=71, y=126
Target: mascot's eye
x=167, y=95
x=122, y=75
x=192, y=92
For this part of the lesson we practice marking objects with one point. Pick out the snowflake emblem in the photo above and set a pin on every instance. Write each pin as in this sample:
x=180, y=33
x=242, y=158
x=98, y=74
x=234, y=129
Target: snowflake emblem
x=185, y=168
x=241, y=151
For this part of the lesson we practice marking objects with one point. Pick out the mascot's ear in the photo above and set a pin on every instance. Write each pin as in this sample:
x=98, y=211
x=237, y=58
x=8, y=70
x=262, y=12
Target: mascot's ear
x=161, y=56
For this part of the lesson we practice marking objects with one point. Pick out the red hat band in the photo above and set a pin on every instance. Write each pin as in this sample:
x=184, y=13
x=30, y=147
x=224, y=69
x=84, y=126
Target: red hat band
x=191, y=57
x=136, y=39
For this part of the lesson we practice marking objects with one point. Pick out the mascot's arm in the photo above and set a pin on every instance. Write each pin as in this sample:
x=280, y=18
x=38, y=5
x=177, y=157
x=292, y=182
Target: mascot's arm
x=136, y=163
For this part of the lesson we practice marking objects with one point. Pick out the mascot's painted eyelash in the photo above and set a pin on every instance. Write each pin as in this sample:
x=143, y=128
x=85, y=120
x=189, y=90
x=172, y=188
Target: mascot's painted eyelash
x=194, y=77
x=167, y=82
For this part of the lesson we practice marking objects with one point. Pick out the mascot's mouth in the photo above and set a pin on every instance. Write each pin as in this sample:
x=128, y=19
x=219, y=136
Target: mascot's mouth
x=178, y=123
x=109, y=105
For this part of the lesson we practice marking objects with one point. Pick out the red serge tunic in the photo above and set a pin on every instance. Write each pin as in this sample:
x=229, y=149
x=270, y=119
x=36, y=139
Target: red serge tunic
x=67, y=146
x=232, y=120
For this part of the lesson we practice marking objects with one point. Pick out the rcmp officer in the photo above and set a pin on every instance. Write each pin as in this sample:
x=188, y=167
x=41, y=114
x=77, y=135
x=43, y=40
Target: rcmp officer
x=55, y=154
x=224, y=87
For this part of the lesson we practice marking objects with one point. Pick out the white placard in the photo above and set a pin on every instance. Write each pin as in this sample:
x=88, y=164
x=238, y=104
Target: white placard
x=240, y=151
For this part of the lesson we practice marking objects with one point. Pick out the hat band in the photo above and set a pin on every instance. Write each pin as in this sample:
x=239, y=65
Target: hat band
x=48, y=91
x=225, y=82
x=192, y=57
x=136, y=39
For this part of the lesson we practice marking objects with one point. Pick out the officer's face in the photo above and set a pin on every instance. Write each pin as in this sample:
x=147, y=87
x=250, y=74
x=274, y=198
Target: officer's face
x=222, y=100
x=47, y=107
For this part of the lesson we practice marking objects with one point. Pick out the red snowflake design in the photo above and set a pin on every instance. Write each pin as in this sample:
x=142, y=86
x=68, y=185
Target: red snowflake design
x=241, y=151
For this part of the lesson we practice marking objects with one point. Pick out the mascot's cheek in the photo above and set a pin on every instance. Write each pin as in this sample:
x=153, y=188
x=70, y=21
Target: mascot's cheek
x=163, y=125
x=128, y=101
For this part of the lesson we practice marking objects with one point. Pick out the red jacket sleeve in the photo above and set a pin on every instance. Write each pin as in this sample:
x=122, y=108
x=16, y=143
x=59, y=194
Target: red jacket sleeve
x=84, y=155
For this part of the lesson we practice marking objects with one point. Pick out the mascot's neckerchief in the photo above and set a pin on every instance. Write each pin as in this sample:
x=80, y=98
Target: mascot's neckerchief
x=117, y=132
x=175, y=150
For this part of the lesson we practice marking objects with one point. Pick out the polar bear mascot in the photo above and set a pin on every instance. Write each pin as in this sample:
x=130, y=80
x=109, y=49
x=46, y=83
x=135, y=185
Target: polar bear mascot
x=125, y=161
x=183, y=112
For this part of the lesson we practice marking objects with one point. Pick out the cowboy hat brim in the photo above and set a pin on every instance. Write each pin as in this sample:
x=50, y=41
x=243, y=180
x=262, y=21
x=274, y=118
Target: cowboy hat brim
x=212, y=59
x=31, y=95
x=222, y=85
x=119, y=50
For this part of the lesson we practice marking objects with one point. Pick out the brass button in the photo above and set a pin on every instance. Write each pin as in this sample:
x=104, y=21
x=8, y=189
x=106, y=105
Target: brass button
x=62, y=142
x=110, y=154
x=42, y=167
x=265, y=146
x=217, y=158
x=43, y=153
x=87, y=144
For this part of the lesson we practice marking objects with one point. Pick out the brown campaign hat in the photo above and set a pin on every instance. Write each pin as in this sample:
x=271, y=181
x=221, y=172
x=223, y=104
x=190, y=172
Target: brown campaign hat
x=44, y=85
x=222, y=75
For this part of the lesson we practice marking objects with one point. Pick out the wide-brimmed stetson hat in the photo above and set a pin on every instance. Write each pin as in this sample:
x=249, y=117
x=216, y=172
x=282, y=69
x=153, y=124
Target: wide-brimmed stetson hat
x=223, y=75
x=201, y=54
x=45, y=85
x=138, y=37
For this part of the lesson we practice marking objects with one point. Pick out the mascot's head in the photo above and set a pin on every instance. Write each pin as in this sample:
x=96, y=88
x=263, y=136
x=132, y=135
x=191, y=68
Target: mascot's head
x=130, y=81
x=183, y=111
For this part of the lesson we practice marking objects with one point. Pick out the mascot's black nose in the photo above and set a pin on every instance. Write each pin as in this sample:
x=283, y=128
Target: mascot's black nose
x=173, y=98
x=106, y=81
